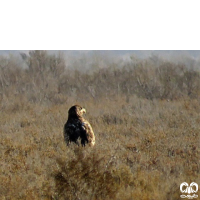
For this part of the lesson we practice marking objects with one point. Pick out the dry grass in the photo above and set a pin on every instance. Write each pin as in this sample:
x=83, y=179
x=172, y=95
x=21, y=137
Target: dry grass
x=145, y=148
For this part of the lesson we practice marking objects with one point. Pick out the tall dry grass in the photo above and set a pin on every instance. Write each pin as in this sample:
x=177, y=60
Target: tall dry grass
x=145, y=118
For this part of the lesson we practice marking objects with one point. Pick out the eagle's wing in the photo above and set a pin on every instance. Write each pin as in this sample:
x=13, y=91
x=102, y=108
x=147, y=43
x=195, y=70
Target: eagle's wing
x=71, y=132
x=88, y=132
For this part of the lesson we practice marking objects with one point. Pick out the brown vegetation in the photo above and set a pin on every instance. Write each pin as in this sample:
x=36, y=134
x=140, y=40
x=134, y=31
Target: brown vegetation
x=145, y=118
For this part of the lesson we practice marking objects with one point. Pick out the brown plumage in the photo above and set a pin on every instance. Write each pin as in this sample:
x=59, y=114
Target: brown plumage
x=77, y=127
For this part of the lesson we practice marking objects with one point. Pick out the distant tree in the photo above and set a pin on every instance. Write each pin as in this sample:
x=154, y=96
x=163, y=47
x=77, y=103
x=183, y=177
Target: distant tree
x=41, y=61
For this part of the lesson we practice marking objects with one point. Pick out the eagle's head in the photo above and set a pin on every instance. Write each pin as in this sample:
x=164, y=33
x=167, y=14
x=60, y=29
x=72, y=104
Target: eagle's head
x=76, y=111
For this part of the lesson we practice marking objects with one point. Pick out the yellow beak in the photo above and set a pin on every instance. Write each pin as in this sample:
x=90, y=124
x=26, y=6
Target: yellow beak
x=83, y=110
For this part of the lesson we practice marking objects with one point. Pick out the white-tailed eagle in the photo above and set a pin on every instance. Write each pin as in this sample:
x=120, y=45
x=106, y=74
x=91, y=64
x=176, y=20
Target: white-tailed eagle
x=77, y=127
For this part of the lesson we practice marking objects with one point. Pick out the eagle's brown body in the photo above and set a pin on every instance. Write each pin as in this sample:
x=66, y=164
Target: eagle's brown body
x=77, y=127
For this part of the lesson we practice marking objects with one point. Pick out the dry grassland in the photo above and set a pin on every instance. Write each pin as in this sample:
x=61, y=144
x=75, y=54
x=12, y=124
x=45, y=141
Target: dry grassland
x=145, y=147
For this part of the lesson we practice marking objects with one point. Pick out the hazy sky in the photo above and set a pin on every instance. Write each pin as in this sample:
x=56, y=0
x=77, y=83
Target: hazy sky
x=171, y=55
x=142, y=54
x=90, y=59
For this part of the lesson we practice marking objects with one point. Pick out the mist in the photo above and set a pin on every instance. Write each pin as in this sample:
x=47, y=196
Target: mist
x=98, y=59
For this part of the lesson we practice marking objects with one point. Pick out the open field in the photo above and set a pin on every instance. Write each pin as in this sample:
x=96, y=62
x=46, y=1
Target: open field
x=146, y=122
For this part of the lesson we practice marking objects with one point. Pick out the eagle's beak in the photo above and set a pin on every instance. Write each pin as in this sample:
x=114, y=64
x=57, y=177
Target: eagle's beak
x=83, y=110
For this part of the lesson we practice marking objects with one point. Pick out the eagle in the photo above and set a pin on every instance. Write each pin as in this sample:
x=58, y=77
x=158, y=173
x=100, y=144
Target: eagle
x=77, y=127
